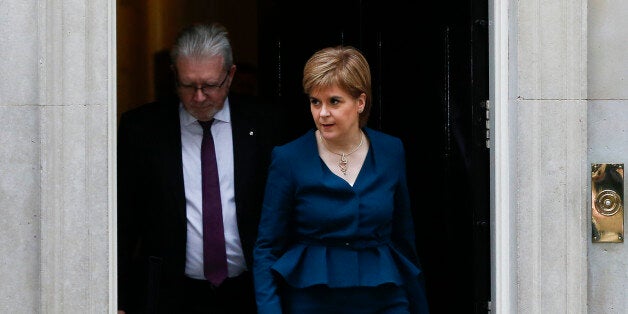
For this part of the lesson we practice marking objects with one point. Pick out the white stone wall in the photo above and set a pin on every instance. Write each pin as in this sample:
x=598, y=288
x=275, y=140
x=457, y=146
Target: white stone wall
x=549, y=101
x=608, y=142
x=56, y=191
x=566, y=83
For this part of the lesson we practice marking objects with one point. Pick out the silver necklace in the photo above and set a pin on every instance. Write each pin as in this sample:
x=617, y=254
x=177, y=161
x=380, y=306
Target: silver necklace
x=343, y=162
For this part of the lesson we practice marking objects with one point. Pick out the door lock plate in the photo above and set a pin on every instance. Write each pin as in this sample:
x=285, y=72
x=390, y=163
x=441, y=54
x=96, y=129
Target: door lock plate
x=607, y=203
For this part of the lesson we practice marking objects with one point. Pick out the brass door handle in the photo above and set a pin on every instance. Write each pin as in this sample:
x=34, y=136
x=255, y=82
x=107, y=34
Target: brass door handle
x=607, y=202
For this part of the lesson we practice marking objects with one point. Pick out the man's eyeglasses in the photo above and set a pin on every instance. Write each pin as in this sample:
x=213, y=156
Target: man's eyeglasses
x=207, y=89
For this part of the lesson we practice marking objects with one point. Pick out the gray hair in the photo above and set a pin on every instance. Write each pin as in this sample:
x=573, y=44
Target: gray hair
x=201, y=41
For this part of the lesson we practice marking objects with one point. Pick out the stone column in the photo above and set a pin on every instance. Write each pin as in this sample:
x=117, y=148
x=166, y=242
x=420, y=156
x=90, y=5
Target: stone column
x=549, y=92
x=57, y=119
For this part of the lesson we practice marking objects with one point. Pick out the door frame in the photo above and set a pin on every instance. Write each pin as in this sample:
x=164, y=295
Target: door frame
x=503, y=228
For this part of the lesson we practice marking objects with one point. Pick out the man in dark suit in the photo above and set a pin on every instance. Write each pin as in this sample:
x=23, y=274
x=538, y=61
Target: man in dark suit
x=161, y=196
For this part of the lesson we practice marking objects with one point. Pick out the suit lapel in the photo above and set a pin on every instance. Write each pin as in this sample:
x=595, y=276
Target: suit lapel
x=244, y=143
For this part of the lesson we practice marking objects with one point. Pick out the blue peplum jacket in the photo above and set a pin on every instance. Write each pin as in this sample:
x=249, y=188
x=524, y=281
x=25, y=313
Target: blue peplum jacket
x=316, y=229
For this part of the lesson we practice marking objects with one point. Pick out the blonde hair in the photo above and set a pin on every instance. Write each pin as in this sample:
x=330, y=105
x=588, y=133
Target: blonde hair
x=343, y=66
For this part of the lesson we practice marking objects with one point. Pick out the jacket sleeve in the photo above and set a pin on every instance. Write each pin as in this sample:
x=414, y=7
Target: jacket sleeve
x=273, y=233
x=127, y=235
x=403, y=226
x=404, y=239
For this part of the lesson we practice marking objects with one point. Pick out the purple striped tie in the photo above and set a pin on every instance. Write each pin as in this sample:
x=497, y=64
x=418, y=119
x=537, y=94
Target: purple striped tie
x=214, y=255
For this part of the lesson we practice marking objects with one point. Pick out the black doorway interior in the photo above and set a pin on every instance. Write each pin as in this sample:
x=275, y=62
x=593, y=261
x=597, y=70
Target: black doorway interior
x=430, y=84
x=429, y=63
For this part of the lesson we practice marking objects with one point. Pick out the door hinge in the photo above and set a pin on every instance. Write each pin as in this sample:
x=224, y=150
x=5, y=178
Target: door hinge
x=487, y=107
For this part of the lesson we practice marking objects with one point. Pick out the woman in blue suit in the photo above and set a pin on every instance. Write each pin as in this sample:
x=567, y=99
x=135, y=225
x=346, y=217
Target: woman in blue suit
x=336, y=232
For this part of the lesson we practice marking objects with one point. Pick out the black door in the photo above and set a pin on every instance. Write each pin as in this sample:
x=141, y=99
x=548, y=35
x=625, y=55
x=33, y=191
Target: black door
x=430, y=83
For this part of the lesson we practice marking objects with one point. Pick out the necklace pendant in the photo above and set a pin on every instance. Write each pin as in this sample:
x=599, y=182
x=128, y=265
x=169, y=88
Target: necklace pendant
x=343, y=164
x=344, y=161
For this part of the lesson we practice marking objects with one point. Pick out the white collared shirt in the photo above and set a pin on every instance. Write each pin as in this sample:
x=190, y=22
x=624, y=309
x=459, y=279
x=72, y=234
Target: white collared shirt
x=191, y=138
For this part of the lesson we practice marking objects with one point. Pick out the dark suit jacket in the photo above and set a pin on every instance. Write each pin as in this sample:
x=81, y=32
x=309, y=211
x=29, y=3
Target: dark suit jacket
x=151, y=200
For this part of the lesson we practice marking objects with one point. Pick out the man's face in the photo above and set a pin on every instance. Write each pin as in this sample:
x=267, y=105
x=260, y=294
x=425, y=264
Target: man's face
x=203, y=85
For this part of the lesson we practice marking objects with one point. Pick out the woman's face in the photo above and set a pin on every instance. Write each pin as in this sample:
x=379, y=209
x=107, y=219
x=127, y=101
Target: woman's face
x=335, y=112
